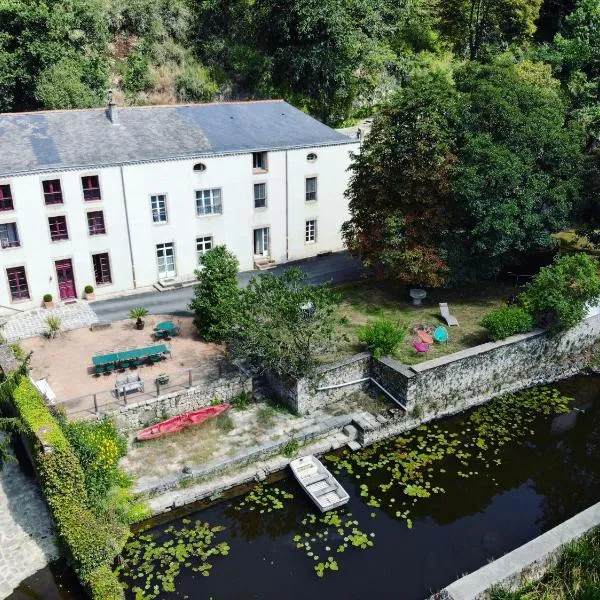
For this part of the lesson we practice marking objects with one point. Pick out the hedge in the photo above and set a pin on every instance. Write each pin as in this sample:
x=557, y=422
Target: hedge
x=90, y=542
x=506, y=321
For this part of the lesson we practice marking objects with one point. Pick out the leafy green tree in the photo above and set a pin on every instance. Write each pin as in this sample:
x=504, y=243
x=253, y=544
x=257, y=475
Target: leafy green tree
x=137, y=75
x=35, y=36
x=476, y=27
x=216, y=295
x=517, y=176
x=400, y=189
x=560, y=293
x=314, y=52
x=284, y=324
x=466, y=168
x=382, y=336
x=63, y=85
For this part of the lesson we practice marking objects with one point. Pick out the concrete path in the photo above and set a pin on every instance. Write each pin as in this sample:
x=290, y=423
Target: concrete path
x=334, y=268
x=31, y=323
x=26, y=532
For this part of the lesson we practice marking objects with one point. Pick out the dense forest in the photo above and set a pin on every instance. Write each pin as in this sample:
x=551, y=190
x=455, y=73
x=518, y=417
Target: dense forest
x=488, y=128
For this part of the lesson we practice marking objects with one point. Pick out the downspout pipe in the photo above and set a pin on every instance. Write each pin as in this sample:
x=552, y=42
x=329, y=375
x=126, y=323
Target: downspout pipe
x=287, y=212
x=128, y=228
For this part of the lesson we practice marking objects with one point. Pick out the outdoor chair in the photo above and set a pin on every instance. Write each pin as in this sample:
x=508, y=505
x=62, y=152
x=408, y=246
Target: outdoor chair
x=451, y=320
x=110, y=369
x=100, y=369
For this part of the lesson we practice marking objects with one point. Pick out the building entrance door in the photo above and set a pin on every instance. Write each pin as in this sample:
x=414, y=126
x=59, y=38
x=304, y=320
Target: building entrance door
x=165, y=258
x=261, y=242
x=66, y=280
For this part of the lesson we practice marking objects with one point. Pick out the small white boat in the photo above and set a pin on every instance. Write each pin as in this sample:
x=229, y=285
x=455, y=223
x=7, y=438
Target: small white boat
x=324, y=489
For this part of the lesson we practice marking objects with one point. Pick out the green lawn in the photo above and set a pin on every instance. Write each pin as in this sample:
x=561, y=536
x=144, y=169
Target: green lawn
x=369, y=300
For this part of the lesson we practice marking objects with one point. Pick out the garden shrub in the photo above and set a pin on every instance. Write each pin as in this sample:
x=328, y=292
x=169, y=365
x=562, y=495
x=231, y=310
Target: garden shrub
x=506, y=321
x=382, y=336
x=559, y=294
x=99, y=448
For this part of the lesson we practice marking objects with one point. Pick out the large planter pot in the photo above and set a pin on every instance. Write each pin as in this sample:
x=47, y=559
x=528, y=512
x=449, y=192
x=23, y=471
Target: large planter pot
x=49, y=304
x=90, y=297
x=139, y=324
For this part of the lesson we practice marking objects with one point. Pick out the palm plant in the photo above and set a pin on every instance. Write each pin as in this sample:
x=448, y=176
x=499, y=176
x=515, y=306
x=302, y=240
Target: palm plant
x=138, y=314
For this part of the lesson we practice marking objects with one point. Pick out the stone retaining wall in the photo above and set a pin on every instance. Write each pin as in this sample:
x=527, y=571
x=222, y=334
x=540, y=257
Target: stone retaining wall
x=140, y=415
x=473, y=376
x=457, y=381
x=304, y=395
x=529, y=563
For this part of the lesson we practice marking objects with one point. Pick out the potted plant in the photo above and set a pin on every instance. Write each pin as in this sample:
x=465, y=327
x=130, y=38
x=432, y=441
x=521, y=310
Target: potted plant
x=162, y=379
x=89, y=292
x=48, y=303
x=138, y=314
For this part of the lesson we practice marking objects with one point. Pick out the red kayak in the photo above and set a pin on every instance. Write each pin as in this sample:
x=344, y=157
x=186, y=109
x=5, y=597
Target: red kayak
x=175, y=424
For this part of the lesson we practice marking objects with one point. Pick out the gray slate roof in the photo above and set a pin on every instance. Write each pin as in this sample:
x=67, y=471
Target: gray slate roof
x=59, y=140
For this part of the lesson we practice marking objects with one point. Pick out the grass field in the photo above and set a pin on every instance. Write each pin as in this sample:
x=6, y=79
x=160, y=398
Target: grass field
x=369, y=300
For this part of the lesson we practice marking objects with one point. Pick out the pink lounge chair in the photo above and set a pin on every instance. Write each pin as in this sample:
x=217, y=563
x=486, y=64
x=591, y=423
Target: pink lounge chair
x=420, y=346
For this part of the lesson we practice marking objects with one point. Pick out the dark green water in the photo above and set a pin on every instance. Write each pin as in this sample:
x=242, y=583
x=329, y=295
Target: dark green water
x=552, y=474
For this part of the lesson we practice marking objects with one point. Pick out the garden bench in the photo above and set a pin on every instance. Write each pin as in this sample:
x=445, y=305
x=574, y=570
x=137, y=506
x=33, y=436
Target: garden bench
x=128, y=383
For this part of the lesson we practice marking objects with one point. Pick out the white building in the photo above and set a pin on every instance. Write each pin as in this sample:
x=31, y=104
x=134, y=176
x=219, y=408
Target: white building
x=121, y=199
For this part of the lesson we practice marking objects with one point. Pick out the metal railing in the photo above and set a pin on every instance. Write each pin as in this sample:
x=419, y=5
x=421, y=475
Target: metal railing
x=109, y=400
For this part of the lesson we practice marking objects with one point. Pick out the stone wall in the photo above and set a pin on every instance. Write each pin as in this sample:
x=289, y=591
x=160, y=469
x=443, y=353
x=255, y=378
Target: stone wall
x=478, y=374
x=140, y=415
x=305, y=395
x=454, y=382
x=529, y=563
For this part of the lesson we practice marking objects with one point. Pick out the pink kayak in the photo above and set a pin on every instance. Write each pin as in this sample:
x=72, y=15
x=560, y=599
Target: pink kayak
x=175, y=424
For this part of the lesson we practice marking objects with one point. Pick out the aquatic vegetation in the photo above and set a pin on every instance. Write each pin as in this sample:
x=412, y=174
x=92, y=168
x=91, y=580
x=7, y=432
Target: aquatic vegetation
x=413, y=464
x=333, y=533
x=264, y=499
x=156, y=564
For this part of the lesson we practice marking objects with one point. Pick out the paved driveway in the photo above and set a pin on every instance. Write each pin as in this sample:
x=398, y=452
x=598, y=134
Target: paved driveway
x=334, y=268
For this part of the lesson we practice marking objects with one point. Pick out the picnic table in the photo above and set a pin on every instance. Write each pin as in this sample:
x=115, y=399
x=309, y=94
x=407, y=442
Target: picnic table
x=124, y=358
x=166, y=329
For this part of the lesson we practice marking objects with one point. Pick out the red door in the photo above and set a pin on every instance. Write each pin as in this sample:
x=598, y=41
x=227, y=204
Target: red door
x=66, y=281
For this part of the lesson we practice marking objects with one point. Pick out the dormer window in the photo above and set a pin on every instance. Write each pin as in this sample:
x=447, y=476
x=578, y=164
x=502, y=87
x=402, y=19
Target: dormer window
x=311, y=157
x=259, y=162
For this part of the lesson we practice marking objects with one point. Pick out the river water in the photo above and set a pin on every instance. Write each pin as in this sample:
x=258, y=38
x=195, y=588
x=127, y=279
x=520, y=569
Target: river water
x=543, y=479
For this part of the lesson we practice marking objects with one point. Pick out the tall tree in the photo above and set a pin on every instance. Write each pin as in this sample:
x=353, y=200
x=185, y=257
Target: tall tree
x=464, y=171
x=517, y=176
x=400, y=190
x=472, y=26
x=59, y=41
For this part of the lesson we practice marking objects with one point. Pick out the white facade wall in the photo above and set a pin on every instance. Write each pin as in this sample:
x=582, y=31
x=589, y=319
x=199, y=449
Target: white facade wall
x=233, y=174
x=37, y=253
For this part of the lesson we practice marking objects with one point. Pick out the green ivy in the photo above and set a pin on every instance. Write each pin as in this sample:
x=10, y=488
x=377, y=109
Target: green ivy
x=91, y=542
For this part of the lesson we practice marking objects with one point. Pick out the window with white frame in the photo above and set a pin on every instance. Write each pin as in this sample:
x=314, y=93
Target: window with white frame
x=260, y=195
x=259, y=162
x=9, y=235
x=203, y=245
x=158, y=202
x=208, y=202
x=310, y=232
x=311, y=189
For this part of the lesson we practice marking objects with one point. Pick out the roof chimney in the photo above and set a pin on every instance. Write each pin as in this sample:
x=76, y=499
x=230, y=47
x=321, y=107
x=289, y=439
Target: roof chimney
x=112, y=110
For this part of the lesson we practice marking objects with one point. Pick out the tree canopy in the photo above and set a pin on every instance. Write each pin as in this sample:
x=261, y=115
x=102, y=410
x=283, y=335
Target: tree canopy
x=465, y=168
